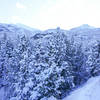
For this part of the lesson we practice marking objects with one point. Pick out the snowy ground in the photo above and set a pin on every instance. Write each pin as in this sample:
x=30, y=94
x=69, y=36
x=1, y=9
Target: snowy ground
x=1, y=93
x=90, y=91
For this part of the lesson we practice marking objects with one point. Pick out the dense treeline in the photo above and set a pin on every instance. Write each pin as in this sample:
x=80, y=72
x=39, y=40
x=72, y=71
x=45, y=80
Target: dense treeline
x=34, y=68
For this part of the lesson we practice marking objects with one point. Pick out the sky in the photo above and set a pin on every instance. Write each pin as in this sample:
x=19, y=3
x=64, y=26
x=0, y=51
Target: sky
x=46, y=14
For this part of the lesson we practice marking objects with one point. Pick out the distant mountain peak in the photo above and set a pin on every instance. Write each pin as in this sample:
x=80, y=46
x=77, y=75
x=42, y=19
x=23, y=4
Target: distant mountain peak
x=85, y=26
x=82, y=27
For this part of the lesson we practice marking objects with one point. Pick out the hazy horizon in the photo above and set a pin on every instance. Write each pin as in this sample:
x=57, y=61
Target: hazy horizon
x=49, y=14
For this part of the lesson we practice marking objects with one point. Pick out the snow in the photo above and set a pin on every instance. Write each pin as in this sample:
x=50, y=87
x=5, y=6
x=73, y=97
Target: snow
x=27, y=27
x=84, y=26
x=52, y=98
x=90, y=91
x=2, y=93
x=14, y=30
x=38, y=72
x=34, y=94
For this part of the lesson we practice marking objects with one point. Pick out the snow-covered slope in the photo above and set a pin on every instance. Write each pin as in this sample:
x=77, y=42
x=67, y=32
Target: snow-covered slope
x=13, y=30
x=82, y=27
x=85, y=34
x=45, y=55
x=27, y=27
x=2, y=93
x=90, y=91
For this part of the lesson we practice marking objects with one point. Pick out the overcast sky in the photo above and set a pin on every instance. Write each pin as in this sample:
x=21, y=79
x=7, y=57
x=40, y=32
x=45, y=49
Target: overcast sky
x=44, y=14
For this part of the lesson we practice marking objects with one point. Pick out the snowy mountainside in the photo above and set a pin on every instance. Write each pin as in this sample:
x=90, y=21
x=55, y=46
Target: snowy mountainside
x=85, y=34
x=90, y=91
x=27, y=27
x=13, y=30
x=44, y=65
x=82, y=27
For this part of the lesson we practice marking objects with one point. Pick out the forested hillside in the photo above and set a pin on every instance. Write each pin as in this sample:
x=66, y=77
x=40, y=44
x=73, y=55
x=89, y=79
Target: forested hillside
x=37, y=65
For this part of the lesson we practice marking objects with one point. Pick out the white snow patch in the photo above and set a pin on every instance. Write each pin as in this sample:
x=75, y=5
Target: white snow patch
x=2, y=93
x=90, y=91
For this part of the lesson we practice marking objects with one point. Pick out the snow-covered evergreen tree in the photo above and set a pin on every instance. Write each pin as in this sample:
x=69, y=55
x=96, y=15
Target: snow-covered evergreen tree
x=93, y=62
x=50, y=65
x=53, y=71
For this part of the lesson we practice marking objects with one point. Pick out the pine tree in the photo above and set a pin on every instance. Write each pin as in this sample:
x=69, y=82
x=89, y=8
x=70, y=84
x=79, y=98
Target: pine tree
x=93, y=62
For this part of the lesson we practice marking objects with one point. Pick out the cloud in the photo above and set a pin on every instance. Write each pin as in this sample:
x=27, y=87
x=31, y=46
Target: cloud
x=15, y=19
x=19, y=5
